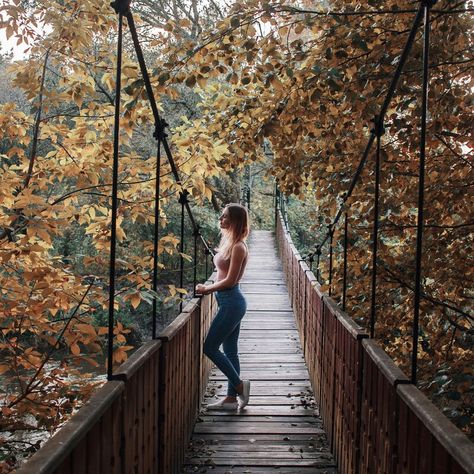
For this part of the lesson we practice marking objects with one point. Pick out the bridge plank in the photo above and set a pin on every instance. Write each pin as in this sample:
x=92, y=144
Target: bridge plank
x=280, y=430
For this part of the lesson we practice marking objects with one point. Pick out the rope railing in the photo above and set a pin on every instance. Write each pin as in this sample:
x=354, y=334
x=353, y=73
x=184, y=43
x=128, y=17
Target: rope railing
x=377, y=131
x=122, y=8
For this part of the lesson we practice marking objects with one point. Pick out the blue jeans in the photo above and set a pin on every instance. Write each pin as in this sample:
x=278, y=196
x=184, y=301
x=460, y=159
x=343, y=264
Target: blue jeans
x=225, y=330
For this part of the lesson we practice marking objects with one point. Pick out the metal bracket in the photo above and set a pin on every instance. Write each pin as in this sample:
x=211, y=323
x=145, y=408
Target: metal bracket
x=160, y=133
x=121, y=6
x=183, y=197
x=379, y=128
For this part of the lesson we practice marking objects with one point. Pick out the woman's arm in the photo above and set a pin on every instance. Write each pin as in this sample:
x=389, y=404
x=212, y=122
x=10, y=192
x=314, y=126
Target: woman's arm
x=237, y=257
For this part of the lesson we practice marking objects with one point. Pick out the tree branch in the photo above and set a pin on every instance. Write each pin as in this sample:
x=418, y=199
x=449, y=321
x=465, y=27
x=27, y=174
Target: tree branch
x=429, y=298
x=27, y=390
x=37, y=124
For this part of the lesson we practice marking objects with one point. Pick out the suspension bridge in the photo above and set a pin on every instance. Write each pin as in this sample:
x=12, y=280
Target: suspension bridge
x=325, y=396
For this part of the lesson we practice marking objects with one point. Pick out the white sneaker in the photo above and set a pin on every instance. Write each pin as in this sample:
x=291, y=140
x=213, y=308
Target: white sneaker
x=244, y=398
x=223, y=405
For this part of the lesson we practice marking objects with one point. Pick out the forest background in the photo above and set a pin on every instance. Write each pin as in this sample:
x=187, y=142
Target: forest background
x=253, y=92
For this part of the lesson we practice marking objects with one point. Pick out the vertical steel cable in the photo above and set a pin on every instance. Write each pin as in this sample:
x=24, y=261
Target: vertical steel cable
x=427, y=4
x=276, y=204
x=122, y=7
x=344, y=278
x=331, y=236
x=378, y=131
x=183, y=199
x=113, y=224
x=282, y=209
x=391, y=90
x=196, y=235
x=318, y=258
x=249, y=179
x=206, y=251
x=158, y=135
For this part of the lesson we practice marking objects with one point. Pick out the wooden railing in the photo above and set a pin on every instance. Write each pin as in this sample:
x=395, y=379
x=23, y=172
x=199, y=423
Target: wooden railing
x=142, y=422
x=375, y=420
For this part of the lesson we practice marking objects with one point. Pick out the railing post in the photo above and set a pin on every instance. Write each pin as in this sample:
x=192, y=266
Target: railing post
x=378, y=131
x=427, y=4
x=121, y=9
x=183, y=200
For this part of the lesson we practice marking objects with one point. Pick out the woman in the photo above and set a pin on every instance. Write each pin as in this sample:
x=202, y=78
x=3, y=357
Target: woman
x=230, y=262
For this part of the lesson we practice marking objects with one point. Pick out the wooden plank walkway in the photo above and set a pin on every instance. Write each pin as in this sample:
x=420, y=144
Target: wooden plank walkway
x=280, y=430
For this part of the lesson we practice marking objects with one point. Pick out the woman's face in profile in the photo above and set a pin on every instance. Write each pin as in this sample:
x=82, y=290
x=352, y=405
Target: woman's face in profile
x=224, y=222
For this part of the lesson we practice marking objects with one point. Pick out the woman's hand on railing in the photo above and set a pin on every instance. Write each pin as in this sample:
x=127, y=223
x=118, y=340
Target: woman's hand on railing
x=202, y=289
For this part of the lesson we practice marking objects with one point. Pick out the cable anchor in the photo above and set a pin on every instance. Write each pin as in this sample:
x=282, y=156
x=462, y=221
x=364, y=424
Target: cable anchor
x=378, y=130
x=183, y=197
x=160, y=126
x=121, y=6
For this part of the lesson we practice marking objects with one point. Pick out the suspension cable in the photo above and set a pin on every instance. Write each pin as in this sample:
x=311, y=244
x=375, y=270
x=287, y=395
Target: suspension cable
x=380, y=121
x=426, y=5
x=161, y=124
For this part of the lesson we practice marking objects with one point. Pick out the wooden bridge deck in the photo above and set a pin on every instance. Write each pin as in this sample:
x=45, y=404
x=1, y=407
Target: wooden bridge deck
x=280, y=430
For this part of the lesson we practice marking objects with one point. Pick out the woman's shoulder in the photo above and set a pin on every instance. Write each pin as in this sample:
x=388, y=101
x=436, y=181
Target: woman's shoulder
x=240, y=247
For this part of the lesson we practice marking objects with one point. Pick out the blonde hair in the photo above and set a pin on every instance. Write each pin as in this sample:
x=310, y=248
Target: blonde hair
x=238, y=230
